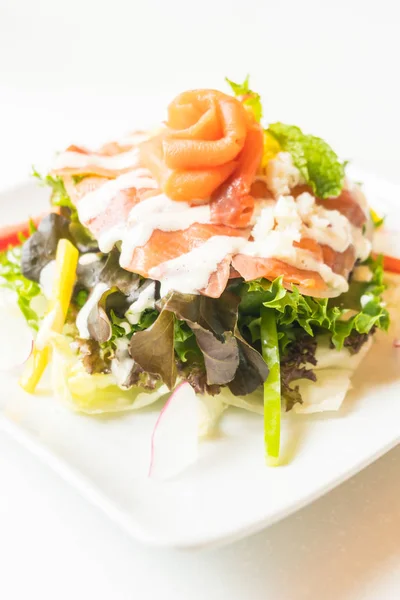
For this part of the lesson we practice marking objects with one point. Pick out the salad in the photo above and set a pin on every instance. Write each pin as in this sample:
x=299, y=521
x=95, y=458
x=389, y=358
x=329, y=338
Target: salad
x=218, y=257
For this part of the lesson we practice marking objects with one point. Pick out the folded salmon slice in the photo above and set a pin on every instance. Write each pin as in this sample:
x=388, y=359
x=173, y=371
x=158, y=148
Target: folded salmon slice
x=251, y=267
x=219, y=279
x=347, y=203
x=167, y=245
x=233, y=203
x=341, y=263
x=111, y=160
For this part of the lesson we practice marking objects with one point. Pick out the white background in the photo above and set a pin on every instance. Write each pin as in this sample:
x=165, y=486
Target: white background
x=83, y=70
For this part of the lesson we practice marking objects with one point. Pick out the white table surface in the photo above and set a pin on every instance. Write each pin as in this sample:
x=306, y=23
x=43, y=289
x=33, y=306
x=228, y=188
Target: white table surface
x=81, y=70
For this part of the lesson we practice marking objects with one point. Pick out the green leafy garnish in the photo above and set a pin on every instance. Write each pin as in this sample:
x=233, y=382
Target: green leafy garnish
x=12, y=278
x=247, y=96
x=315, y=159
x=59, y=195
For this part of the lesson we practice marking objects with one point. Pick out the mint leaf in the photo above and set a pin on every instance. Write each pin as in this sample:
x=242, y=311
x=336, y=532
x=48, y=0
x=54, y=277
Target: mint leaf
x=247, y=96
x=315, y=159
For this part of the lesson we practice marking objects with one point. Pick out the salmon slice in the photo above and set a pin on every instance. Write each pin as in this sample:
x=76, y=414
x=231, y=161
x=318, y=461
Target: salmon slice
x=309, y=283
x=312, y=246
x=77, y=191
x=341, y=263
x=110, y=161
x=182, y=185
x=116, y=213
x=219, y=279
x=233, y=204
x=118, y=209
x=346, y=203
x=167, y=245
x=209, y=136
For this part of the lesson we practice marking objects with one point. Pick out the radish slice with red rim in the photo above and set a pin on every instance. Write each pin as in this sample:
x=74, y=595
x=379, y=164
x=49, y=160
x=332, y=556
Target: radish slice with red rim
x=175, y=441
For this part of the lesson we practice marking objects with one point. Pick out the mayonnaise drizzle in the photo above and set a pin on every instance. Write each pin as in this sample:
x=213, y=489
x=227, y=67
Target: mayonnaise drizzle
x=83, y=315
x=145, y=300
x=97, y=201
x=158, y=212
x=78, y=160
x=191, y=271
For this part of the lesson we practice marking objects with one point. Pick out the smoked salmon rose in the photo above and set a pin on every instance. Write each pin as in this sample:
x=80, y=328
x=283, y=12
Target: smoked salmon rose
x=205, y=143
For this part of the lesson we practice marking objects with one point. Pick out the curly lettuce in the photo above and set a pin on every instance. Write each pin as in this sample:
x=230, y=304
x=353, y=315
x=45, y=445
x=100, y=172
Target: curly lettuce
x=11, y=277
x=357, y=311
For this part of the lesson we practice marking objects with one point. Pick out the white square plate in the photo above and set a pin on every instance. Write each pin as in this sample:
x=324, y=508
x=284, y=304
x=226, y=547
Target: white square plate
x=229, y=492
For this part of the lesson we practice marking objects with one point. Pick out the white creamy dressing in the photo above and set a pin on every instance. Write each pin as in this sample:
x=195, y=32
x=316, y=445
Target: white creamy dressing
x=145, y=300
x=361, y=243
x=83, y=315
x=122, y=366
x=305, y=260
x=78, y=160
x=359, y=195
x=88, y=258
x=328, y=227
x=191, y=272
x=158, y=212
x=97, y=201
x=46, y=279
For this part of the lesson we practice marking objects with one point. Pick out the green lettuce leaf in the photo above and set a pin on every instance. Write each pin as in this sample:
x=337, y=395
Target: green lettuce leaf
x=12, y=278
x=185, y=344
x=247, y=96
x=315, y=159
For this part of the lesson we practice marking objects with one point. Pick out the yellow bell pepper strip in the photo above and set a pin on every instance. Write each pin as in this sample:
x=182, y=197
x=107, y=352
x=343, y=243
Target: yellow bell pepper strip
x=376, y=219
x=63, y=285
x=271, y=148
x=272, y=386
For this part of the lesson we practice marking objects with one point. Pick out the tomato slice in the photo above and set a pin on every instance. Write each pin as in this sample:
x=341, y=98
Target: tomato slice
x=10, y=234
x=391, y=264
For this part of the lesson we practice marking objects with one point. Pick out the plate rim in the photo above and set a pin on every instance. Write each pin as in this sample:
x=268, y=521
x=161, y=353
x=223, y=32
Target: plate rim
x=97, y=498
